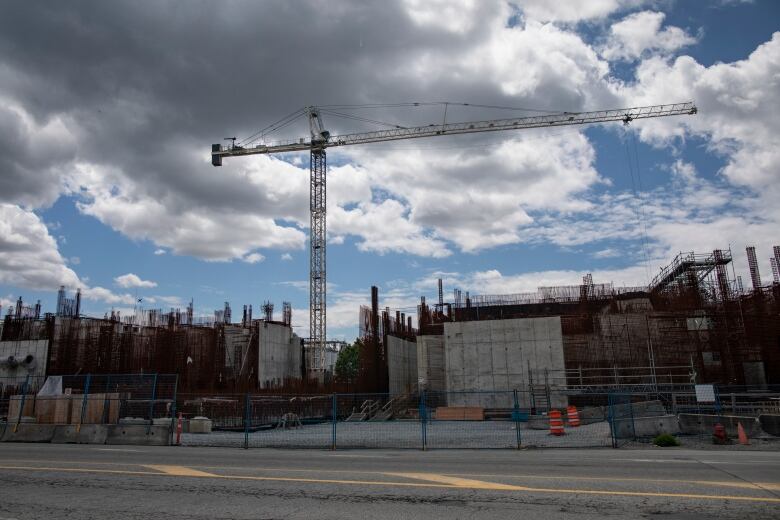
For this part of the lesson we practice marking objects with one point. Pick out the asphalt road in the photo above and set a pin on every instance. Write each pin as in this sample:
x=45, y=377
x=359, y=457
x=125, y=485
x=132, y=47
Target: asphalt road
x=83, y=482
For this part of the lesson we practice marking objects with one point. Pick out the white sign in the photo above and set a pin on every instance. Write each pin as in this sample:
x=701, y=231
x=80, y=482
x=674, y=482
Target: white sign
x=705, y=393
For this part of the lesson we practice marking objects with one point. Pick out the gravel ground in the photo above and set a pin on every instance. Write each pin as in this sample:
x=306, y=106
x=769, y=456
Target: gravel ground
x=409, y=434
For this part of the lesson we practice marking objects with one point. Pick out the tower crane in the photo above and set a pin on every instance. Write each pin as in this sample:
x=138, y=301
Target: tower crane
x=320, y=140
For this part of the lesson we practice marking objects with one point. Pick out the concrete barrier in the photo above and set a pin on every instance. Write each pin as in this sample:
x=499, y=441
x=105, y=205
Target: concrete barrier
x=701, y=424
x=88, y=434
x=136, y=434
x=642, y=409
x=29, y=433
x=770, y=423
x=645, y=427
x=200, y=425
x=592, y=414
x=133, y=420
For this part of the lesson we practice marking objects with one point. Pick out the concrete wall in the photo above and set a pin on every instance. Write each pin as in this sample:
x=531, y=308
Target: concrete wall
x=401, y=365
x=237, y=340
x=279, y=355
x=430, y=363
x=19, y=350
x=497, y=355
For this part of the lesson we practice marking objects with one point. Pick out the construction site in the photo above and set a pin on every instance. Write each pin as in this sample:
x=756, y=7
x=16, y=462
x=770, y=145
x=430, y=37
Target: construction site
x=477, y=357
x=481, y=367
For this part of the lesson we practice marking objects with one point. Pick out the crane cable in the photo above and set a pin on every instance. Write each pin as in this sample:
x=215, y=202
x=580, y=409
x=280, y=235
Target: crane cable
x=636, y=185
x=331, y=110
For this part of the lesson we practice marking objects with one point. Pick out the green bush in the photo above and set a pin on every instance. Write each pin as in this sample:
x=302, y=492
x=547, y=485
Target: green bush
x=665, y=440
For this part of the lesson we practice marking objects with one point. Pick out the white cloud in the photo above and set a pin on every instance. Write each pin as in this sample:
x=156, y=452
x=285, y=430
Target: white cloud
x=607, y=253
x=159, y=252
x=173, y=301
x=475, y=198
x=737, y=120
x=641, y=33
x=212, y=233
x=573, y=10
x=29, y=257
x=132, y=280
x=286, y=257
x=107, y=296
x=5, y=303
x=34, y=152
x=253, y=258
x=75, y=260
x=456, y=16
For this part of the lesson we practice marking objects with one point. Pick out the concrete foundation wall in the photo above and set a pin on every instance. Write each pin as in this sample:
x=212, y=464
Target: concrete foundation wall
x=401, y=365
x=237, y=342
x=279, y=355
x=499, y=355
x=430, y=363
x=19, y=350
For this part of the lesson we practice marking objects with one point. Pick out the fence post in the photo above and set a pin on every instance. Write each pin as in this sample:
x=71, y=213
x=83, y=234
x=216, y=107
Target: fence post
x=174, y=423
x=611, y=418
x=151, y=405
x=84, y=402
x=423, y=419
x=516, y=413
x=21, y=404
x=106, y=401
x=334, y=411
x=247, y=414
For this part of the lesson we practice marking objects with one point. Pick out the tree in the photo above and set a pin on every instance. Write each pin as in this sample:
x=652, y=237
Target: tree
x=347, y=362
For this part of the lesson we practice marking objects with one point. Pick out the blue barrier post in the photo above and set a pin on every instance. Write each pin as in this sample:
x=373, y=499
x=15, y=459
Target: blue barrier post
x=334, y=411
x=84, y=402
x=21, y=404
x=516, y=417
x=247, y=414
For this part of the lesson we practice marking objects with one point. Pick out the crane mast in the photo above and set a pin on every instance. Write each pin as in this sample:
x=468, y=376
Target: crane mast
x=320, y=139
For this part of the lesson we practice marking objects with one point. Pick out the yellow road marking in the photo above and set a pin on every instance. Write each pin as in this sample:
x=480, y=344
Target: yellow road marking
x=179, y=471
x=458, y=482
x=474, y=485
x=738, y=484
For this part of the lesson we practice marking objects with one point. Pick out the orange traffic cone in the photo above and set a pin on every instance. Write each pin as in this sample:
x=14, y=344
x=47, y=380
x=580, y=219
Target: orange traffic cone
x=556, y=423
x=743, y=438
x=573, y=416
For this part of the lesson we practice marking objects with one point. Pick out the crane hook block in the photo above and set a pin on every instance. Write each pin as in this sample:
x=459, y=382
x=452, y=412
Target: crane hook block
x=216, y=160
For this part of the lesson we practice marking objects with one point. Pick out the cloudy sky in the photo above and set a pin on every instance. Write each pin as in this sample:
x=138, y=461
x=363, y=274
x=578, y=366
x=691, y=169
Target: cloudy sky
x=108, y=111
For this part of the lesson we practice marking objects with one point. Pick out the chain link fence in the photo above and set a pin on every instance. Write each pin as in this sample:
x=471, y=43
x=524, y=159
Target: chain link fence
x=511, y=419
x=427, y=420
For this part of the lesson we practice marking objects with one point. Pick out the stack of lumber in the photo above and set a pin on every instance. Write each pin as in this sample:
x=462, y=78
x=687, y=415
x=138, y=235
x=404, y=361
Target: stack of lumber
x=460, y=413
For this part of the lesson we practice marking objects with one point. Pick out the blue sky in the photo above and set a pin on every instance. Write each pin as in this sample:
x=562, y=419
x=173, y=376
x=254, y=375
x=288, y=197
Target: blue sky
x=105, y=170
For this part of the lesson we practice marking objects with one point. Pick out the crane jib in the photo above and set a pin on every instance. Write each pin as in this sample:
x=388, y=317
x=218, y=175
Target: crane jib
x=625, y=115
